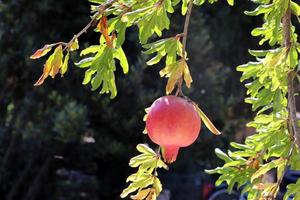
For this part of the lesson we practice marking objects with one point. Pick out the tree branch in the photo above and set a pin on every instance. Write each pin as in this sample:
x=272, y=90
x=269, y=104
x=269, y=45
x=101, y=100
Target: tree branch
x=100, y=11
x=184, y=39
x=186, y=28
x=287, y=43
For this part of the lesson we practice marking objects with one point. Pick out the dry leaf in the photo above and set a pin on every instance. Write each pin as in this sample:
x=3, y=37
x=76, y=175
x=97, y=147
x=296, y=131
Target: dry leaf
x=52, y=65
x=103, y=28
x=174, y=72
x=142, y=194
x=207, y=121
x=41, y=52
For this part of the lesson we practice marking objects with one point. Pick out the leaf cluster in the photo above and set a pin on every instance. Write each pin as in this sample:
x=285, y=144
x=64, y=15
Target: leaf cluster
x=266, y=82
x=144, y=182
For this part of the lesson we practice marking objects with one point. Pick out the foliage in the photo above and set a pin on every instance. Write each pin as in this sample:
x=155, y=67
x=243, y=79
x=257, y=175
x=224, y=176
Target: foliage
x=150, y=17
x=273, y=147
x=147, y=162
x=112, y=38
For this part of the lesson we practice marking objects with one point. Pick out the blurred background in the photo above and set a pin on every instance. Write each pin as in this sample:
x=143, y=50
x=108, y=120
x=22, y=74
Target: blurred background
x=61, y=141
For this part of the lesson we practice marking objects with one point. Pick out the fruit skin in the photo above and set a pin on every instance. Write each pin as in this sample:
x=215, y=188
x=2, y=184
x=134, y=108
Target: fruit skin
x=172, y=122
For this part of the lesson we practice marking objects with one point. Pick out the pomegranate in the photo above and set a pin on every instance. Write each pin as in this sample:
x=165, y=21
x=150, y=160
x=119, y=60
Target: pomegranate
x=172, y=122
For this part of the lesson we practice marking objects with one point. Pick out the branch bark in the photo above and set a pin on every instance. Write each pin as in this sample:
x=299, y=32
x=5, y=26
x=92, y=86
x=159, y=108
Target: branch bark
x=186, y=28
x=287, y=43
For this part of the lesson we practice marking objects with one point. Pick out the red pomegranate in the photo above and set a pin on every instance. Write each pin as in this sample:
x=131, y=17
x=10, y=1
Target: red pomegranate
x=172, y=122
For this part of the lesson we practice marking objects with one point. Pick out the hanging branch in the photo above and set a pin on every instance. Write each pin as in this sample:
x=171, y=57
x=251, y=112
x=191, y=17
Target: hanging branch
x=292, y=120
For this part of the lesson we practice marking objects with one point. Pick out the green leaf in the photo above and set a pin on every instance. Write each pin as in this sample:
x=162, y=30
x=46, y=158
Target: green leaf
x=86, y=62
x=88, y=76
x=295, y=8
x=261, y=9
x=293, y=190
x=184, y=6
x=64, y=67
x=199, y=2
x=222, y=155
x=120, y=55
x=267, y=167
x=230, y=2
x=143, y=148
x=92, y=49
x=140, y=159
x=142, y=183
x=155, y=21
x=157, y=185
x=292, y=58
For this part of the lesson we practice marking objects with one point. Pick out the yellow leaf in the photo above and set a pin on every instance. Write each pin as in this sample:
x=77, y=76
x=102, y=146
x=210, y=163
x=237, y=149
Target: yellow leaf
x=52, y=65
x=142, y=194
x=145, y=118
x=75, y=45
x=174, y=72
x=46, y=70
x=64, y=67
x=187, y=76
x=57, y=61
x=275, y=59
x=41, y=52
x=207, y=122
x=152, y=195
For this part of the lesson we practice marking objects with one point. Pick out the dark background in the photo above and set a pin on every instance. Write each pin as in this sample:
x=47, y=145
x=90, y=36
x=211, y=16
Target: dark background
x=44, y=153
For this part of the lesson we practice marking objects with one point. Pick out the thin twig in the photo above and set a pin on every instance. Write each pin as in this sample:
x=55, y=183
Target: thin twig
x=184, y=40
x=186, y=28
x=100, y=11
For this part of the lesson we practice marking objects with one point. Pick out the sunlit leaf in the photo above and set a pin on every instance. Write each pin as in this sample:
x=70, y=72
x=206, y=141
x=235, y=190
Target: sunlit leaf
x=207, y=121
x=142, y=194
x=266, y=167
x=174, y=72
x=64, y=67
x=52, y=65
x=143, y=148
x=41, y=52
x=120, y=55
x=230, y=2
x=75, y=45
x=57, y=61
